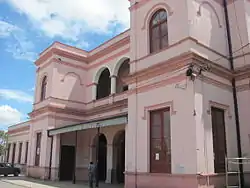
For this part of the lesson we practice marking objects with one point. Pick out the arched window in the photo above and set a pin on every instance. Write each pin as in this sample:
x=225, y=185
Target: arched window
x=158, y=31
x=43, y=88
x=123, y=73
x=104, y=84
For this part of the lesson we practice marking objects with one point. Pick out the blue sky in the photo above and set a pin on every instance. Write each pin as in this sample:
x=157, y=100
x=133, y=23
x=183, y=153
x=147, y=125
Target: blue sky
x=27, y=27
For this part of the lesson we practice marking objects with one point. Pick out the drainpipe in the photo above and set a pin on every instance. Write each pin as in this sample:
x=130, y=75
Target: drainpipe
x=236, y=110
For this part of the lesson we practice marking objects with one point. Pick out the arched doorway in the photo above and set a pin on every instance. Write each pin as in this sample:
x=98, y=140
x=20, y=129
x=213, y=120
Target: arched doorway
x=119, y=156
x=123, y=73
x=102, y=157
x=104, y=84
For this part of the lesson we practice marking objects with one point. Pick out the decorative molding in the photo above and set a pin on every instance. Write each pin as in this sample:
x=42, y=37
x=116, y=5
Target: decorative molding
x=19, y=134
x=175, y=64
x=76, y=75
x=118, y=64
x=221, y=106
x=98, y=73
x=169, y=104
x=190, y=39
x=215, y=83
x=162, y=83
x=213, y=9
x=91, y=84
x=160, y=68
x=98, y=110
x=244, y=87
x=57, y=118
x=60, y=100
x=19, y=129
x=153, y=10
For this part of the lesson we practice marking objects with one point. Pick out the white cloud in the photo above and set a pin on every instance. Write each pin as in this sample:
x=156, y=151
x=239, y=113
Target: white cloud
x=69, y=19
x=6, y=29
x=17, y=95
x=20, y=52
x=9, y=115
x=17, y=41
x=79, y=44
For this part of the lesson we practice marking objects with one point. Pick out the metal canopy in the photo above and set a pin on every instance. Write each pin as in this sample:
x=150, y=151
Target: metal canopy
x=121, y=120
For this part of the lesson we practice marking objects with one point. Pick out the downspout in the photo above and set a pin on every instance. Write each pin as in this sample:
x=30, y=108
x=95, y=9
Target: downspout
x=236, y=110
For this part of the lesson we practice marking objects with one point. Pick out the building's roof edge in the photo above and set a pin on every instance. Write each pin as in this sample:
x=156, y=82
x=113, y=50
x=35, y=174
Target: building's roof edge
x=81, y=51
x=23, y=123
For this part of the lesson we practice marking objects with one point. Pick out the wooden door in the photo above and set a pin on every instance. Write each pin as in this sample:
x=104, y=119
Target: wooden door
x=38, y=148
x=14, y=153
x=160, y=141
x=102, y=158
x=67, y=163
x=219, y=139
x=26, y=152
x=8, y=154
x=20, y=153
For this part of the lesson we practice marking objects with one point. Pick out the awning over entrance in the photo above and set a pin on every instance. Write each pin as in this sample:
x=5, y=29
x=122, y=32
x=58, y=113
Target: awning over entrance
x=118, y=120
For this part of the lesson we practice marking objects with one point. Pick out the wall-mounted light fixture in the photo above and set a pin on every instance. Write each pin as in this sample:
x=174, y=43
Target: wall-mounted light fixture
x=194, y=71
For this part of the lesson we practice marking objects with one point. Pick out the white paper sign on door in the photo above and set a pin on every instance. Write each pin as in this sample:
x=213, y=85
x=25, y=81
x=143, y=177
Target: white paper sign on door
x=157, y=156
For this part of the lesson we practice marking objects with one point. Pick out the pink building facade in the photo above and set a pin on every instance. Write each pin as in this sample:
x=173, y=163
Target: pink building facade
x=158, y=126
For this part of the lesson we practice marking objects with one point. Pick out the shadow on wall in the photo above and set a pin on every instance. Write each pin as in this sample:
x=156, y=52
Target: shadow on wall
x=71, y=87
x=209, y=18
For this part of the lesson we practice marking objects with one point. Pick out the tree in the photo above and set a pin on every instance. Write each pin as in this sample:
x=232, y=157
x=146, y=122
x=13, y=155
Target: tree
x=3, y=142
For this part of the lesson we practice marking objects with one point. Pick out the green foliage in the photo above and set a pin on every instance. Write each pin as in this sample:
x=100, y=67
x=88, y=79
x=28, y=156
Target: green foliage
x=3, y=142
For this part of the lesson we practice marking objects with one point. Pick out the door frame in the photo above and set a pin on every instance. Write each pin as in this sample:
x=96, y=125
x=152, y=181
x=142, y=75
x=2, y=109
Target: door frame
x=218, y=135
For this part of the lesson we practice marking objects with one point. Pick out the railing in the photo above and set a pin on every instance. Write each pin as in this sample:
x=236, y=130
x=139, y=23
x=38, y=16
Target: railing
x=237, y=162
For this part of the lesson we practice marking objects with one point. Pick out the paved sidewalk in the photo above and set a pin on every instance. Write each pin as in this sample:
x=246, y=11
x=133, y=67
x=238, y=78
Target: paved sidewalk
x=34, y=183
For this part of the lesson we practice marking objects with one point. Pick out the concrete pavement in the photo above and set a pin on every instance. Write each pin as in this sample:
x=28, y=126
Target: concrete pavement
x=7, y=185
x=19, y=182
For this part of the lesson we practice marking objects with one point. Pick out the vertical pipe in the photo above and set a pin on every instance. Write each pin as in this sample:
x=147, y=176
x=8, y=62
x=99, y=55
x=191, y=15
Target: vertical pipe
x=74, y=172
x=236, y=110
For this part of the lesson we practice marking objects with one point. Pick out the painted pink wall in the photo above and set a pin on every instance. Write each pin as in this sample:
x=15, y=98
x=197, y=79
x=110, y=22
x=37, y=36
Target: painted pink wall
x=211, y=21
x=69, y=83
x=244, y=101
x=137, y=131
x=193, y=153
x=204, y=95
x=140, y=17
x=239, y=13
x=207, y=25
x=184, y=21
x=21, y=136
